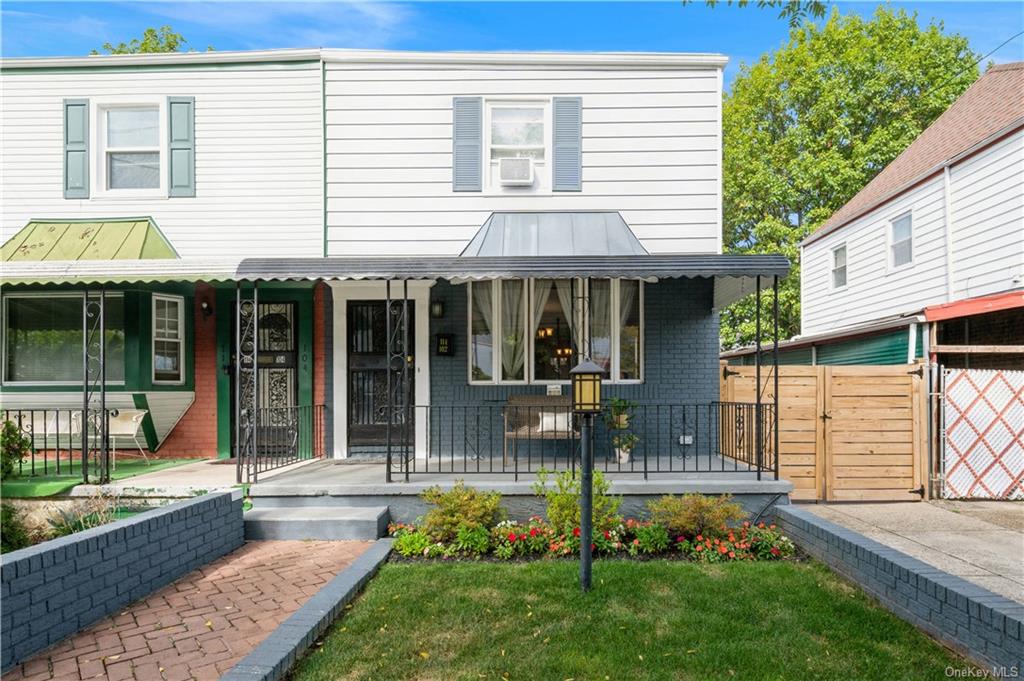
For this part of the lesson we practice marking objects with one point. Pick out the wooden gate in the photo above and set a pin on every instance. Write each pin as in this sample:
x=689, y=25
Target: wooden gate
x=846, y=433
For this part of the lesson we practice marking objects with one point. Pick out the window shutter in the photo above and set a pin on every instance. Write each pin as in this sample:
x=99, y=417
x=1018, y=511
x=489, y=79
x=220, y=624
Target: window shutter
x=467, y=144
x=567, y=136
x=76, y=148
x=181, y=165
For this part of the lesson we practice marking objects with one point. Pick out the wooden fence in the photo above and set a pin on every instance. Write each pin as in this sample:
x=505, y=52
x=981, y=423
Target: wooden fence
x=846, y=433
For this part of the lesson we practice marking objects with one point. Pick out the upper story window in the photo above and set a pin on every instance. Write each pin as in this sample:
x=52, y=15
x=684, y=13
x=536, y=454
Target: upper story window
x=901, y=241
x=131, y=147
x=517, y=145
x=529, y=332
x=42, y=338
x=839, y=266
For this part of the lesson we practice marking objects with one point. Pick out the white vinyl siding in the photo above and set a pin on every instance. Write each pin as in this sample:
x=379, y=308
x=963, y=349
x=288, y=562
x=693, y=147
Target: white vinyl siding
x=258, y=155
x=650, y=151
x=987, y=199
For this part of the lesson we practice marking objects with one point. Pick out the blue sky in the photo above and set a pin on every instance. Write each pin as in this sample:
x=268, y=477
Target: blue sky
x=74, y=28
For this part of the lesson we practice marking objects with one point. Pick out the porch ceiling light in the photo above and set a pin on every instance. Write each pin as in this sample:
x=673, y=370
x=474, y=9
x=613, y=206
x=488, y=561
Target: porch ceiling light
x=586, y=387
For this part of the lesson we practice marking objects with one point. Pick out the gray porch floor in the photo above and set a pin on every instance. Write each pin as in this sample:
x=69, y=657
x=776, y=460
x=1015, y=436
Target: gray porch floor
x=345, y=477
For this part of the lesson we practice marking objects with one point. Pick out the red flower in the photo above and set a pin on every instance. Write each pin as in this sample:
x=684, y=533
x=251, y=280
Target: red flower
x=533, y=531
x=636, y=542
x=746, y=523
x=700, y=538
x=761, y=525
x=512, y=537
x=772, y=526
x=732, y=554
x=522, y=537
x=607, y=534
x=775, y=551
x=698, y=547
x=722, y=549
x=576, y=532
x=732, y=537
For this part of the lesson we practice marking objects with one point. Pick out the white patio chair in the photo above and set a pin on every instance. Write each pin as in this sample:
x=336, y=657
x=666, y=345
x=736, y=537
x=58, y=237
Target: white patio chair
x=126, y=423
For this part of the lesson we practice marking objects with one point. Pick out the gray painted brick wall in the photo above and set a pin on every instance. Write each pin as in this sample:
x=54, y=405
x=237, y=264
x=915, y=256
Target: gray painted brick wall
x=982, y=625
x=680, y=368
x=59, y=587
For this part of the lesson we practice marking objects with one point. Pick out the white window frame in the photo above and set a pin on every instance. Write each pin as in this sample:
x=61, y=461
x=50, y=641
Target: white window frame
x=890, y=241
x=180, y=301
x=832, y=267
x=3, y=336
x=100, y=107
x=529, y=370
x=542, y=169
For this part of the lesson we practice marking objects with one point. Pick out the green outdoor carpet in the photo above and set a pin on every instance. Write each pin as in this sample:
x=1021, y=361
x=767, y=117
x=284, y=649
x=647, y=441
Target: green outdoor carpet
x=25, y=486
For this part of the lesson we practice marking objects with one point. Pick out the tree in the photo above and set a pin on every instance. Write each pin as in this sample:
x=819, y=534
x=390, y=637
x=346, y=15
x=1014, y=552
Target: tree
x=163, y=39
x=806, y=127
x=794, y=11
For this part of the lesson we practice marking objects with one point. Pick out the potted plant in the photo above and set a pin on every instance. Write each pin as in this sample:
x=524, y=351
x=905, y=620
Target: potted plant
x=624, y=444
x=619, y=412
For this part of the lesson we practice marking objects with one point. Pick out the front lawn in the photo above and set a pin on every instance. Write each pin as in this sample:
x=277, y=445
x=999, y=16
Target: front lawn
x=643, y=620
x=30, y=486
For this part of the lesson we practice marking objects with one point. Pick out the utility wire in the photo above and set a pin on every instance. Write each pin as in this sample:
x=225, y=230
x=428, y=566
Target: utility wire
x=971, y=66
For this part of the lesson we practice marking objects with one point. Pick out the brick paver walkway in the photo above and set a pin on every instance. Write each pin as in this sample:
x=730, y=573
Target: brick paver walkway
x=203, y=624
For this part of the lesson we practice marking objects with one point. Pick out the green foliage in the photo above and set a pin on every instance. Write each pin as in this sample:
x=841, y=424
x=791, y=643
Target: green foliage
x=459, y=506
x=13, y=532
x=14, y=446
x=474, y=541
x=649, y=538
x=163, y=39
x=97, y=510
x=563, y=502
x=806, y=127
x=693, y=514
x=618, y=413
x=412, y=543
x=793, y=11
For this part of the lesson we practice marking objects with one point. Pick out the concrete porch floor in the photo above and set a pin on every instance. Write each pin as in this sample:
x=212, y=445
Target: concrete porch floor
x=980, y=541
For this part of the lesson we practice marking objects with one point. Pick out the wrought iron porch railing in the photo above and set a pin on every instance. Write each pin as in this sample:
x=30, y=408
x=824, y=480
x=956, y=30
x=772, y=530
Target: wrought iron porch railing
x=653, y=440
x=283, y=436
x=53, y=441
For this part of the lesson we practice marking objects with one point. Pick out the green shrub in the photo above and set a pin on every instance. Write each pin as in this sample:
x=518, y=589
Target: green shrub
x=459, y=506
x=474, y=541
x=14, y=446
x=693, y=514
x=412, y=543
x=649, y=538
x=97, y=510
x=563, y=502
x=13, y=533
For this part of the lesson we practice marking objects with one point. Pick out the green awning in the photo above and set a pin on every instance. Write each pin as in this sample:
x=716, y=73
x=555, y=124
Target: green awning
x=107, y=239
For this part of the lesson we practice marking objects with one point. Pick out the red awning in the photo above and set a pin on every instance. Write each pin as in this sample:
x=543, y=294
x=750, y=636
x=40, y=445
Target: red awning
x=973, y=306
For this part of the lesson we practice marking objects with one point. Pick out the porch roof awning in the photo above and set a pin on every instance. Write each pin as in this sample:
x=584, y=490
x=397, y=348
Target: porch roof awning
x=526, y=233
x=734, y=275
x=94, y=239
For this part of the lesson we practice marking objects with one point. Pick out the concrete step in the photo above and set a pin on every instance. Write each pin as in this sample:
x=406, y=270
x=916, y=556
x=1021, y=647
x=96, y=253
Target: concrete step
x=333, y=523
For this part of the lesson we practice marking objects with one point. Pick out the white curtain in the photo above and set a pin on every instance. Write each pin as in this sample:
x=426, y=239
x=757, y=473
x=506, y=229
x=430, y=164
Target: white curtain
x=483, y=344
x=513, y=335
x=541, y=290
x=601, y=323
x=564, y=288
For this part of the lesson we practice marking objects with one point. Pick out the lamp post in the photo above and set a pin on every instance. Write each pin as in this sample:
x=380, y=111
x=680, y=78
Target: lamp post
x=586, y=401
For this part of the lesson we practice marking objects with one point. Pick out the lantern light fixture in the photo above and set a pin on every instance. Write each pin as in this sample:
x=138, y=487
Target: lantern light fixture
x=436, y=309
x=586, y=387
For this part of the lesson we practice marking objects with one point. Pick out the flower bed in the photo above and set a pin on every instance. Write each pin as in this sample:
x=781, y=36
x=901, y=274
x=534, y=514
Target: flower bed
x=470, y=524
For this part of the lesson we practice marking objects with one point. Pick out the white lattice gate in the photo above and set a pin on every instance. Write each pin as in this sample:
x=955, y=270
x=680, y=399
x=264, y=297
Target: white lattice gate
x=983, y=439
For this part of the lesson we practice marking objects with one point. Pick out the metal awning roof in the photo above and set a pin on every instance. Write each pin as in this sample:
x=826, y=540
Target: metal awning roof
x=95, y=239
x=524, y=233
x=734, y=275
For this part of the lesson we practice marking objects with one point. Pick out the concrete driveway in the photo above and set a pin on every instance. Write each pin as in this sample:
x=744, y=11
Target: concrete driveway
x=980, y=541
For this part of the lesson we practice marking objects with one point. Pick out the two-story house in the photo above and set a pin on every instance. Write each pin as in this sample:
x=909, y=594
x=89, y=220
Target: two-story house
x=352, y=251
x=927, y=260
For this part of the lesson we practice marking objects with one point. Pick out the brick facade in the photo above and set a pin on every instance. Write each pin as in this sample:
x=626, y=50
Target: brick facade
x=195, y=435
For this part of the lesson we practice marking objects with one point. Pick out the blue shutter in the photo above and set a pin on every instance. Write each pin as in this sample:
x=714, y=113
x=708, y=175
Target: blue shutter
x=76, y=148
x=467, y=144
x=567, y=136
x=181, y=163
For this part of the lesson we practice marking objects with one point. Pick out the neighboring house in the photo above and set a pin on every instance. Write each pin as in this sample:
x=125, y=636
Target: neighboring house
x=522, y=209
x=928, y=258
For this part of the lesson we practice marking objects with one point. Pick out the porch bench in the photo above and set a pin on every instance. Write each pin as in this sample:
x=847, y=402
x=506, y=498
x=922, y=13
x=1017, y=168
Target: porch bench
x=537, y=417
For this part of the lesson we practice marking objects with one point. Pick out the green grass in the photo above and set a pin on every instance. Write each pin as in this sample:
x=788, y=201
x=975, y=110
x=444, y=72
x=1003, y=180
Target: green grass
x=26, y=486
x=643, y=620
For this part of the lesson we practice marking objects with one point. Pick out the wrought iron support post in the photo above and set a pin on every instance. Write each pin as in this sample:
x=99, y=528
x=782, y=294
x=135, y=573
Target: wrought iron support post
x=246, y=383
x=775, y=370
x=94, y=427
x=758, y=435
x=586, y=501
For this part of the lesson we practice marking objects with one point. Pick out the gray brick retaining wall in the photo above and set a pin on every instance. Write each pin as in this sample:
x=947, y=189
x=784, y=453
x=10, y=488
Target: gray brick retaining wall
x=59, y=587
x=982, y=625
